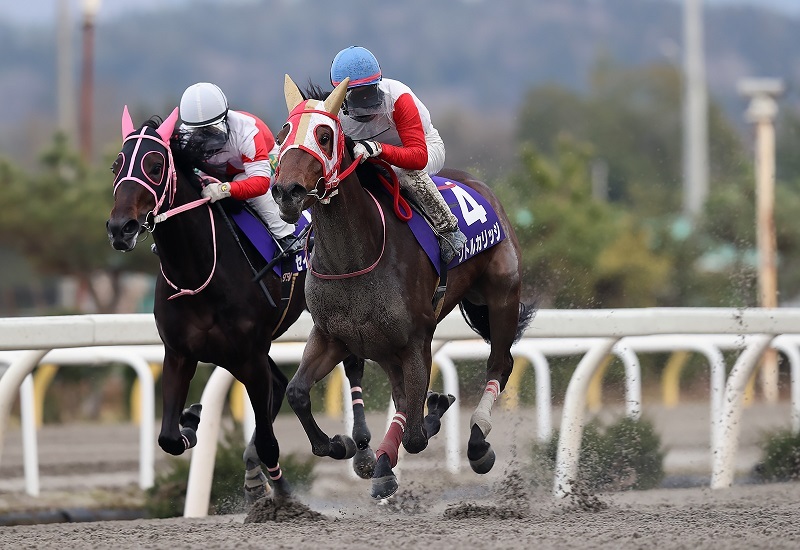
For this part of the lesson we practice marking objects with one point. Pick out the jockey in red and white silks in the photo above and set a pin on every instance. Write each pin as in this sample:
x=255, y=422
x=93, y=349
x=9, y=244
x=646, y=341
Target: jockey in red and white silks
x=403, y=127
x=241, y=144
x=388, y=121
x=246, y=156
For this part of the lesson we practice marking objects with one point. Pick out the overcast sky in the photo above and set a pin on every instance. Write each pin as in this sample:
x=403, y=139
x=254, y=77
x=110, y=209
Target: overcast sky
x=42, y=12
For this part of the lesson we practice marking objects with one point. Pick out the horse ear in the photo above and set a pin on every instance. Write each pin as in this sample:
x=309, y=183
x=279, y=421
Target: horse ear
x=127, y=123
x=168, y=126
x=335, y=100
x=292, y=93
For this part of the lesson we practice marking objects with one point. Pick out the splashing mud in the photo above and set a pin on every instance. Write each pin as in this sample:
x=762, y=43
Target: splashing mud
x=280, y=510
x=405, y=501
x=512, y=494
x=583, y=498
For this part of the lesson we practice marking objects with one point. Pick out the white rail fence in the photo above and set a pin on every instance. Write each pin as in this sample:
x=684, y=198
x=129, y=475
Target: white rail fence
x=133, y=340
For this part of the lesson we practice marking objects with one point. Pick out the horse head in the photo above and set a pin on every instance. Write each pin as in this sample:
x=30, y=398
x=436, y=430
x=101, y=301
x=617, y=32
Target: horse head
x=144, y=177
x=312, y=148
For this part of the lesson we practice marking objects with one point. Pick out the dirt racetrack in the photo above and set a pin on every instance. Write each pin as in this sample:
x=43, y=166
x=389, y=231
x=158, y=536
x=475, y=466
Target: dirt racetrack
x=508, y=508
x=764, y=516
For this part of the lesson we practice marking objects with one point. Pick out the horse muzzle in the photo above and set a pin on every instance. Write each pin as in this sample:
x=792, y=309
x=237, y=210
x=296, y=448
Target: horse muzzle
x=122, y=234
x=290, y=198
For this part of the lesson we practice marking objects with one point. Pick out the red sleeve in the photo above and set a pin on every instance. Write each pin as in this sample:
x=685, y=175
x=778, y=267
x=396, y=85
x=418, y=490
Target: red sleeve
x=257, y=169
x=413, y=155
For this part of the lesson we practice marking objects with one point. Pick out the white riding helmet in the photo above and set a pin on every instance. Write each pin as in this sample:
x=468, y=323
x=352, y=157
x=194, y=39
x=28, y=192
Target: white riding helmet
x=203, y=104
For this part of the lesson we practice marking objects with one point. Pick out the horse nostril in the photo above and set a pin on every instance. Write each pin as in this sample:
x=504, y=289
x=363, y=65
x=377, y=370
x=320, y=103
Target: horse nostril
x=131, y=227
x=297, y=191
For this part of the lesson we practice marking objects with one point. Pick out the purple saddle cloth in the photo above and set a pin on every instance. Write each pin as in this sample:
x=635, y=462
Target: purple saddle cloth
x=476, y=219
x=262, y=239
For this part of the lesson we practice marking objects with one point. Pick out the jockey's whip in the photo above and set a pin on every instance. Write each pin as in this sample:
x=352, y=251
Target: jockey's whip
x=279, y=257
x=228, y=223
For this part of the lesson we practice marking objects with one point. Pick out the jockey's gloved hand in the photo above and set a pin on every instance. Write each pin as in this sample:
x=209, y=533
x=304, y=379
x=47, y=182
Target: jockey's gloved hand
x=216, y=191
x=366, y=149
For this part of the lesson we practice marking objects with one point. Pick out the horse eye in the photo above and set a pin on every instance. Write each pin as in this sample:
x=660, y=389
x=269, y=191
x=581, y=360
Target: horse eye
x=324, y=139
x=156, y=169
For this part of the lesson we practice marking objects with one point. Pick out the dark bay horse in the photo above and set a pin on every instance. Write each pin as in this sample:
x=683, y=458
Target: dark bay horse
x=371, y=287
x=207, y=307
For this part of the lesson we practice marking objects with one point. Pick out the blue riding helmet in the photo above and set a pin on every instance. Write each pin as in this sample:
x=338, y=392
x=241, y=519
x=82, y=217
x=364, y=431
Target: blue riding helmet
x=364, y=99
x=359, y=64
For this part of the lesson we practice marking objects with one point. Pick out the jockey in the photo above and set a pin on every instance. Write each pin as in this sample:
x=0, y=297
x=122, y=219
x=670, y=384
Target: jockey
x=237, y=144
x=386, y=120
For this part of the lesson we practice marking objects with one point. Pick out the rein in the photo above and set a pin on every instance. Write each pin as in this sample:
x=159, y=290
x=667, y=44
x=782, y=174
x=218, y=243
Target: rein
x=366, y=269
x=170, y=188
x=330, y=169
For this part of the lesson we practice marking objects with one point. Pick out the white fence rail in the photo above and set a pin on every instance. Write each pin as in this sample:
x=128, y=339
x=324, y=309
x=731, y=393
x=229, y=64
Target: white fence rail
x=593, y=333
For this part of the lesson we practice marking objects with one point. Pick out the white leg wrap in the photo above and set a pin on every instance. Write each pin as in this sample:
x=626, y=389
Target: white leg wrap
x=482, y=417
x=254, y=478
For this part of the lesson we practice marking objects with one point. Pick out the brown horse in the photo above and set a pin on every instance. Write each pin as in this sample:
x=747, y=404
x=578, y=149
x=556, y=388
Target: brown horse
x=221, y=316
x=372, y=287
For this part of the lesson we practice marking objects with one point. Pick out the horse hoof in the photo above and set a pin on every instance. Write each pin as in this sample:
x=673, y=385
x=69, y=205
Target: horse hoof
x=174, y=447
x=484, y=464
x=281, y=487
x=364, y=463
x=383, y=487
x=252, y=494
x=342, y=447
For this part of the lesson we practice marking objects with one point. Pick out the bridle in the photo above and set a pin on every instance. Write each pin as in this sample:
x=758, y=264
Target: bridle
x=169, y=181
x=306, y=115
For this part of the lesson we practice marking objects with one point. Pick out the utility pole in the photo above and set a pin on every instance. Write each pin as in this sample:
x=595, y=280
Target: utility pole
x=65, y=101
x=761, y=112
x=90, y=8
x=695, y=112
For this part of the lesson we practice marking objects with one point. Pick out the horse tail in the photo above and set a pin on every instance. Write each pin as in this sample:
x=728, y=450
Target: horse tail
x=477, y=317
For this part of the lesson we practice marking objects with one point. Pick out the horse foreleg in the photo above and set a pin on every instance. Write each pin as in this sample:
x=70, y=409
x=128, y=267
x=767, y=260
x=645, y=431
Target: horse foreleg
x=320, y=356
x=364, y=459
x=260, y=385
x=178, y=372
x=384, y=482
x=255, y=481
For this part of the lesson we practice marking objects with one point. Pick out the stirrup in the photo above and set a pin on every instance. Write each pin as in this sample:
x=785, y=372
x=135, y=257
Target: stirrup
x=450, y=245
x=289, y=243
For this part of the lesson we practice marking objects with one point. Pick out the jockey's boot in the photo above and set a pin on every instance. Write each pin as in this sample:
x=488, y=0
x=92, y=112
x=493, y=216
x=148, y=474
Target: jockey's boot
x=289, y=243
x=445, y=224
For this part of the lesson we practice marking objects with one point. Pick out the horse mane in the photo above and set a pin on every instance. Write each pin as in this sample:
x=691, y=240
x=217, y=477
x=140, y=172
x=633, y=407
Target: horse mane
x=315, y=91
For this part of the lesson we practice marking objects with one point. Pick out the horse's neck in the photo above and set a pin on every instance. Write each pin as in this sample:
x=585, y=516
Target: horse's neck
x=185, y=241
x=348, y=231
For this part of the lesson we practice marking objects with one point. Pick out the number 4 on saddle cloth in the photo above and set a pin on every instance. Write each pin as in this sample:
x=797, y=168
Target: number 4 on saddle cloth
x=476, y=219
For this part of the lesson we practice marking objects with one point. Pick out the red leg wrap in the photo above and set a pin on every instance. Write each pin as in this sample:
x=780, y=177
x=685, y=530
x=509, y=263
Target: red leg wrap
x=391, y=442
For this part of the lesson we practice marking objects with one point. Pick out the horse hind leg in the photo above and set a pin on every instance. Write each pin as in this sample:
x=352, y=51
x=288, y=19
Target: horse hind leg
x=503, y=321
x=364, y=459
x=438, y=404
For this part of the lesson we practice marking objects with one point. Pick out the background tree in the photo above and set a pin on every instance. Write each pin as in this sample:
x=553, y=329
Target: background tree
x=578, y=251
x=56, y=218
